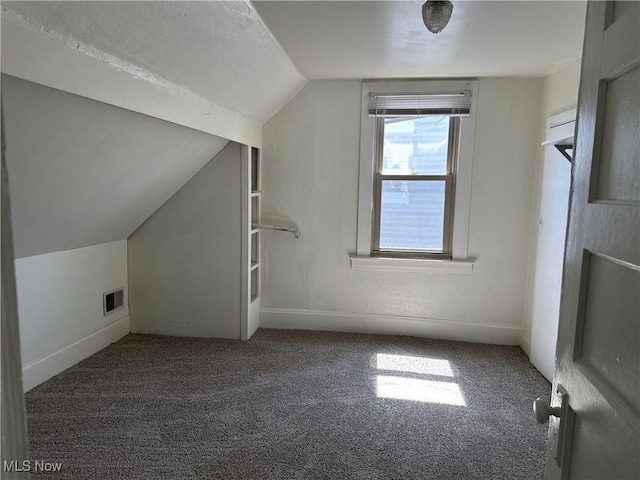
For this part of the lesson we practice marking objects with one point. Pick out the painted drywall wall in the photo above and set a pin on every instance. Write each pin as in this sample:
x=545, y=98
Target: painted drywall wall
x=310, y=176
x=60, y=307
x=559, y=94
x=85, y=173
x=184, y=261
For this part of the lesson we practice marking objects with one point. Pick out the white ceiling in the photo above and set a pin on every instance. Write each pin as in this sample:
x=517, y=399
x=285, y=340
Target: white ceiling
x=251, y=61
x=387, y=39
x=218, y=50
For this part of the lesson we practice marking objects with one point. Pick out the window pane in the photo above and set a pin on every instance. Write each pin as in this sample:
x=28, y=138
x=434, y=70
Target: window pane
x=412, y=215
x=415, y=146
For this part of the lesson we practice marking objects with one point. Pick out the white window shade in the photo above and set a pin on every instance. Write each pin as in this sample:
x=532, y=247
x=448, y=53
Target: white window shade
x=392, y=105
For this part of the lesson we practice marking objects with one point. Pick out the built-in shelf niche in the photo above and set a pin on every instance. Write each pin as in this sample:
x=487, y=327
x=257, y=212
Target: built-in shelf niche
x=255, y=248
x=255, y=283
x=255, y=209
x=255, y=170
x=254, y=244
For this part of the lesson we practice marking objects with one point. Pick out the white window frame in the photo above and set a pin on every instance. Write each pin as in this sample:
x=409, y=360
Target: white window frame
x=462, y=202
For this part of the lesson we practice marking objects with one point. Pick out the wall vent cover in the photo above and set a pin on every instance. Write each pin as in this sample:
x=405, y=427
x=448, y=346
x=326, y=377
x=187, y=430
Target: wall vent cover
x=113, y=300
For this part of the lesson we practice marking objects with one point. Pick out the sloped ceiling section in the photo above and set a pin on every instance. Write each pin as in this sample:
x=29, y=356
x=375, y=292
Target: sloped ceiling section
x=84, y=173
x=220, y=51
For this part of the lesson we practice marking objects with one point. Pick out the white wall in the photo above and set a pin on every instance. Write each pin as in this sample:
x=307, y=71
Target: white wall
x=185, y=260
x=60, y=307
x=559, y=94
x=84, y=173
x=311, y=154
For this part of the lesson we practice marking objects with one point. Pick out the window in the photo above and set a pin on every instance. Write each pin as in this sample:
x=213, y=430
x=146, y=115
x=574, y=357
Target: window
x=414, y=181
x=415, y=169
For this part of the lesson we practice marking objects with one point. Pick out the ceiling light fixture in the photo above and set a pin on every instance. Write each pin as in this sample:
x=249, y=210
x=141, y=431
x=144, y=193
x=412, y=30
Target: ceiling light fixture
x=436, y=14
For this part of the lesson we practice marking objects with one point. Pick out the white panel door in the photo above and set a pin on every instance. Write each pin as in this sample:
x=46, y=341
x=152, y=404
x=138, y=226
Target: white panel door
x=598, y=360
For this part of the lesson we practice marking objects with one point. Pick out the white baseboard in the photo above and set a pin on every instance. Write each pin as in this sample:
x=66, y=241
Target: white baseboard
x=41, y=370
x=390, y=325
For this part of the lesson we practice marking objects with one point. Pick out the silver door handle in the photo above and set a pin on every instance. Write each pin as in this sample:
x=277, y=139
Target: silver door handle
x=543, y=411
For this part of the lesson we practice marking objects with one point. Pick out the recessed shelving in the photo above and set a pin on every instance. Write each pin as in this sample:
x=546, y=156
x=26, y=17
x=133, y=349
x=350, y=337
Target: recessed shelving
x=254, y=243
x=255, y=248
x=255, y=169
x=255, y=209
x=255, y=284
x=251, y=238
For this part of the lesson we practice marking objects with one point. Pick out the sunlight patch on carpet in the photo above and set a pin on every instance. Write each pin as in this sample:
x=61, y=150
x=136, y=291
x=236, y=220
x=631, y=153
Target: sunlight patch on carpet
x=413, y=387
x=405, y=363
x=418, y=390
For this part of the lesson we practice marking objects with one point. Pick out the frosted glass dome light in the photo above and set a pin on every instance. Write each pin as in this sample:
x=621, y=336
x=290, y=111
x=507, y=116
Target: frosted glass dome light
x=436, y=14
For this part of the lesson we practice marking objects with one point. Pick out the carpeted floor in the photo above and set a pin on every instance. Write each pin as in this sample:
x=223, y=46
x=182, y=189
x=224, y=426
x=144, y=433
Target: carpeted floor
x=292, y=405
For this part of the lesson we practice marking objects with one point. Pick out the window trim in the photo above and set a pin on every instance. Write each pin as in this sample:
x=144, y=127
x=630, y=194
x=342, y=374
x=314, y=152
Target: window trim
x=462, y=192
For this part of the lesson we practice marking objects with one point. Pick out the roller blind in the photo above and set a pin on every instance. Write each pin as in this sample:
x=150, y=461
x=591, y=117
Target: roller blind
x=417, y=105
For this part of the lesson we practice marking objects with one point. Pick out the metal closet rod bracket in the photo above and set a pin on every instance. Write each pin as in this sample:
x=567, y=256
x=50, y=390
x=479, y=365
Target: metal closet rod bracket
x=295, y=230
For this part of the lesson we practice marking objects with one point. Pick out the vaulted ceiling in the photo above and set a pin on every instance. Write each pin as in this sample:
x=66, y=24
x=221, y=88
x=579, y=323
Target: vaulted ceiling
x=110, y=107
x=221, y=51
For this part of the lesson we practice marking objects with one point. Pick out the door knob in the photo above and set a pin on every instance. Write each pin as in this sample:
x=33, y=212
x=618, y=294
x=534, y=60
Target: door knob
x=543, y=411
x=558, y=428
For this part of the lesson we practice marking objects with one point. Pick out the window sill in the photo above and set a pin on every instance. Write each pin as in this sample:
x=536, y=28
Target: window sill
x=430, y=265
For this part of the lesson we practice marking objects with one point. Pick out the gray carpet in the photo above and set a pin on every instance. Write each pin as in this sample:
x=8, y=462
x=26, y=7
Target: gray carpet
x=292, y=405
